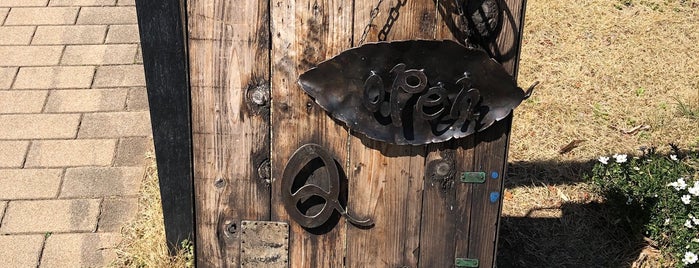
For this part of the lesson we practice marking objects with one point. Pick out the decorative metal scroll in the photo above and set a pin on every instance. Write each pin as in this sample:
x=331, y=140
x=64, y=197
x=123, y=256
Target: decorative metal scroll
x=413, y=92
x=311, y=188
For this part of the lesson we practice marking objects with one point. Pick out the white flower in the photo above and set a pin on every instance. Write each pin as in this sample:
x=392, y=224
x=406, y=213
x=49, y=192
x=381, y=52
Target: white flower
x=688, y=224
x=694, y=220
x=620, y=158
x=673, y=157
x=603, y=159
x=667, y=221
x=636, y=168
x=680, y=184
x=690, y=258
x=686, y=199
x=695, y=189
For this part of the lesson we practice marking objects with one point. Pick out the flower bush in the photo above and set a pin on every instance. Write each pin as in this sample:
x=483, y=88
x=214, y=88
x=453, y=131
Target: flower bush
x=658, y=195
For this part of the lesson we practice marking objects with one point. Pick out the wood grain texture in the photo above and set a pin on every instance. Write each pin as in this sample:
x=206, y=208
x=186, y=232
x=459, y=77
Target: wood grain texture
x=440, y=211
x=418, y=222
x=304, y=33
x=229, y=62
x=446, y=209
x=165, y=62
x=386, y=181
x=491, y=147
x=486, y=199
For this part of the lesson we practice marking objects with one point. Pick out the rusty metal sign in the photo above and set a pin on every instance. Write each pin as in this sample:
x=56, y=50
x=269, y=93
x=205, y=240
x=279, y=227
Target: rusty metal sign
x=413, y=92
x=264, y=244
x=311, y=188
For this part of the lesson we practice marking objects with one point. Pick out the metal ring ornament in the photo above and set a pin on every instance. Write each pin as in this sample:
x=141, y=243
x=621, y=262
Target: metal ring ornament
x=297, y=163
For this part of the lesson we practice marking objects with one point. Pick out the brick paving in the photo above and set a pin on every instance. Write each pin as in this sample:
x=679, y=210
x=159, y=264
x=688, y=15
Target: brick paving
x=74, y=129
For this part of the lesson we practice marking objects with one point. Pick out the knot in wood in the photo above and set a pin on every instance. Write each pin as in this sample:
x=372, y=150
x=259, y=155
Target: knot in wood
x=442, y=169
x=232, y=228
x=259, y=96
x=219, y=183
x=264, y=170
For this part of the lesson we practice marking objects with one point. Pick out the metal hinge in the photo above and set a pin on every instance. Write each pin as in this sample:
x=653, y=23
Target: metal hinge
x=473, y=177
x=463, y=262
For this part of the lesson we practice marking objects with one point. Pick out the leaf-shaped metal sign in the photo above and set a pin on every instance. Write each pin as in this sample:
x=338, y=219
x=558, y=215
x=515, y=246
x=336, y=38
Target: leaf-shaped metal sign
x=413, y=92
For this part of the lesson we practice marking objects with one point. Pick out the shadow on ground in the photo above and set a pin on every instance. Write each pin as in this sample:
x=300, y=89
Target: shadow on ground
x=587, y=234
x=549, y=172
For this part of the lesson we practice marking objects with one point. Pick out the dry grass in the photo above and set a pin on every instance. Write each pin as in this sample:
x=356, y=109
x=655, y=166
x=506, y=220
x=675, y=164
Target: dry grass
x=144, y=239
x=605, y=66
x=604, y=69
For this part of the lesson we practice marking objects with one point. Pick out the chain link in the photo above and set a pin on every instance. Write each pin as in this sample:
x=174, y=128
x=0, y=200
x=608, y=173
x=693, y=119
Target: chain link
x=372, y=16
x=392, y=18
x=463, y=21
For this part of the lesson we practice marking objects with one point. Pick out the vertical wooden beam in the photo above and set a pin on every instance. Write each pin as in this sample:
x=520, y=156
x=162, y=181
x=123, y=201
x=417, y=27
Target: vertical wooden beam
x=386, y=181
x=304, y=33
x=230, y=74
x=446, y=213
x=165, y=64
x=491, y=147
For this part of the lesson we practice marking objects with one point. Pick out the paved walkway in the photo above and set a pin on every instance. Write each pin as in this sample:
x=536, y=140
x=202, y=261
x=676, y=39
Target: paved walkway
x=74, y=127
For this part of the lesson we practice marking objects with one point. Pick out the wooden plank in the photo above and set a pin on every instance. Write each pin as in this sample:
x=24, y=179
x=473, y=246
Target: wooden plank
x=491, y=148
x=486, y=201
x=229, y=68
x=306, y=32
x=386, y=181
x=165, y=64
x=439, y=212
x=446, y=208
x=506, y=47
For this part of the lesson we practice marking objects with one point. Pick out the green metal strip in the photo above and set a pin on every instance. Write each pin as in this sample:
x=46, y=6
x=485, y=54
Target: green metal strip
x=462, y=262
x=473, y=177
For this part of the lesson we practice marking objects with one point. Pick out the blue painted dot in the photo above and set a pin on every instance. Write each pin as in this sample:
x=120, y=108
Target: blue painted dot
x=494, y=196
x=494, y=175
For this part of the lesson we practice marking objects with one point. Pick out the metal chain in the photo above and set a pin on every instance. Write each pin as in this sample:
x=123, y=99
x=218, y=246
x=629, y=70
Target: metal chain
x=372, y=16
x=462, y=18
x=393, y=14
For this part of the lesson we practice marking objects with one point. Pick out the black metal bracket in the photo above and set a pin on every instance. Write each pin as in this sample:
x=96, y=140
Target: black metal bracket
x=479, y=20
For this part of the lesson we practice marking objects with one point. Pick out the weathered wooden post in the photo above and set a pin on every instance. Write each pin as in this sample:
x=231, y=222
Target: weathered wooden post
x=327, y=167
x=163, y=45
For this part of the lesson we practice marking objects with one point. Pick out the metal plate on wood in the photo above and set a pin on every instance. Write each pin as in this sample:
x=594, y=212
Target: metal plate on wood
x=473, y=177
x=463, y=262
x=264, y=244
x=413, y=92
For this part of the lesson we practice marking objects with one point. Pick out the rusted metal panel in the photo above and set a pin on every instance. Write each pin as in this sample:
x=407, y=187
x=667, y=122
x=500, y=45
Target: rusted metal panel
x=264, y=244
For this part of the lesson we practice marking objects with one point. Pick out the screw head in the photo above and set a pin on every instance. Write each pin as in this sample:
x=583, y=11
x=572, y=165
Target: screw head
x=259, y=96
x=219, y=183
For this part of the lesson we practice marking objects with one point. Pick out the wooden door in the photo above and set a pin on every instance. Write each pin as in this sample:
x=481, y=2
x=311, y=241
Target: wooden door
x=249, y=116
